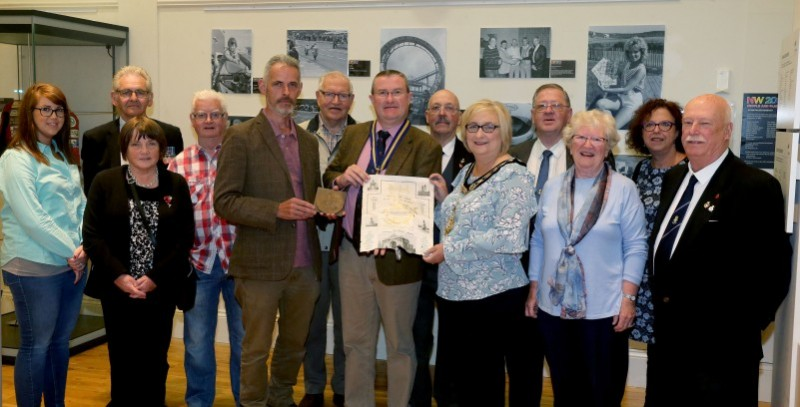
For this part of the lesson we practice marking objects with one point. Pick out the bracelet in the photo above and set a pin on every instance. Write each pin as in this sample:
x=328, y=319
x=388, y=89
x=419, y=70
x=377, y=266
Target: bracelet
x=629, y=296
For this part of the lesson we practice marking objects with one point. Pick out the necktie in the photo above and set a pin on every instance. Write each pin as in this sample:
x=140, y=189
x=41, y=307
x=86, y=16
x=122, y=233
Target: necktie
x=372, y=168
x=380, y=151
x=544, y=172
x=664, y=250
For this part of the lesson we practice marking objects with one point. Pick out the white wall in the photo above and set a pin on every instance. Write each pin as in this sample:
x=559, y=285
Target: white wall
x=173, y=44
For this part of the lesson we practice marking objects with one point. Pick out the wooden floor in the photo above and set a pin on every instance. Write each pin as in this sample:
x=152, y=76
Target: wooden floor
x=88, y=382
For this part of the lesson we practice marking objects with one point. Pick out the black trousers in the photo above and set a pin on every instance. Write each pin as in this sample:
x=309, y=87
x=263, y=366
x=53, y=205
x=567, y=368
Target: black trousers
x=481, y=338
x=588, y=361
x=139, y=334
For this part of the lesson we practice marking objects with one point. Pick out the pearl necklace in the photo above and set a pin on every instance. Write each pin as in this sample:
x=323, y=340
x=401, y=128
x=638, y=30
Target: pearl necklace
x=132, y=179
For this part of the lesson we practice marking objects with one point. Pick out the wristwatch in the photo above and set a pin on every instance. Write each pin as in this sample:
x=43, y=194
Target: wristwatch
x=629, y=296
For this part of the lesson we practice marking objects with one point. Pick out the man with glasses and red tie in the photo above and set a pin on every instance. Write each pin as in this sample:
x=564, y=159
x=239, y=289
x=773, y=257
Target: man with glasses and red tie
x=334, y=98
x=721, y=266
x=131, y=95
x=375, y=287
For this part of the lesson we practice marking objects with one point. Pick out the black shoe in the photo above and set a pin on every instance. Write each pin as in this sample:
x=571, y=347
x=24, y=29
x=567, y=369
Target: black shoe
x=312, y=400
x=338, y=400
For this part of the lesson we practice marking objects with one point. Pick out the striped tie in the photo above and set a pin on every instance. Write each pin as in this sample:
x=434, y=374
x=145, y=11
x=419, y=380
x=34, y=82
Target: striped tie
x=665, y=246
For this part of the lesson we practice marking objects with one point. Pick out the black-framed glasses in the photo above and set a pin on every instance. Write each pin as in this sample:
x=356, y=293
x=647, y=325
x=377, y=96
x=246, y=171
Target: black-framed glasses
x=128, y=93
x=557, y=107
x=330, y=96
x=203, y=116
x=487, y=128
x=664, y=126
x=48, y=111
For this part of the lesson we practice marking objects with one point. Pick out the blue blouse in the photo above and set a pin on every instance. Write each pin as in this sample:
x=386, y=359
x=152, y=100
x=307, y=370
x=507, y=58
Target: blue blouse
x=43, y=210
x=490, y=233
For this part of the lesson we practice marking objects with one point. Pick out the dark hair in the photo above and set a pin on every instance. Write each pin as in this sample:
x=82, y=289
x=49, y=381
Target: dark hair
x=551, y=86
x=25, y=136
x=141, y=128
x=389, y=72
x=635, y=138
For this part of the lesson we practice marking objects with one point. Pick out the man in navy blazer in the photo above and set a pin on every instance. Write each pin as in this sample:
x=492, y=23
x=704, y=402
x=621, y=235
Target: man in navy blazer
x=727, y=273
x=131, y=95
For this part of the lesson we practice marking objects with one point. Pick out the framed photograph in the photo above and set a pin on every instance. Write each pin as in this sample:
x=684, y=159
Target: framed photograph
x=625, y=69
x=419, y=53
x=231, y=61
x=319, y=51
x=515, y=53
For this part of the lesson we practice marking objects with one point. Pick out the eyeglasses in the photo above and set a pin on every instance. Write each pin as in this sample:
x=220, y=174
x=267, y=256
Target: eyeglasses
x=595, y=141
x=383, y=94
x=557, y=107
x=487, y=128
x=330, y=96
x=48, y=111
x=203, y=116
x=664, y=126
x=128, y=93
x=447, y=109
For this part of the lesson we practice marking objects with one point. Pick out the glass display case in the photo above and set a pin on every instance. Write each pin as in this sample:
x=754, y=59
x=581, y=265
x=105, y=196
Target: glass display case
x=80, y=57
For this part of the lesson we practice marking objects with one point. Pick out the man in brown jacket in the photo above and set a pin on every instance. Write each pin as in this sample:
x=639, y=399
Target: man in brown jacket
x=379, y=288
x=268, y=173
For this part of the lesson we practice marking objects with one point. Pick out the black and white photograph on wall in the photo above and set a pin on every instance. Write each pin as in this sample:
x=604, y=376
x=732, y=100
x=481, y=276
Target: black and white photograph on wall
x=419, y=53
x=305, y=110
x=520, y=121
x=319, y=51
x=625, y=68
x=231, y=61
x=515, y=53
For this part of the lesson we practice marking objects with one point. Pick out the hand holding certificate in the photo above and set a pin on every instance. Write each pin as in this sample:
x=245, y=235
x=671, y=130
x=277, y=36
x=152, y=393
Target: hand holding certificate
x=397, y=212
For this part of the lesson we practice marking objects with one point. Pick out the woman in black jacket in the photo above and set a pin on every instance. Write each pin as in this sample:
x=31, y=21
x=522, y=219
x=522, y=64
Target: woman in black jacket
x=138, y=229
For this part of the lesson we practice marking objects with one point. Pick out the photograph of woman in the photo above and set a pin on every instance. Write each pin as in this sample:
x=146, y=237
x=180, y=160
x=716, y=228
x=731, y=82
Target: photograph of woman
x=138, y=230
x=626, y=69
x=42, y=258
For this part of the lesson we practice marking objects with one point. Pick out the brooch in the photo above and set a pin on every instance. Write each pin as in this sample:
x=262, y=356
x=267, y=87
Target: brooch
x=168, y=200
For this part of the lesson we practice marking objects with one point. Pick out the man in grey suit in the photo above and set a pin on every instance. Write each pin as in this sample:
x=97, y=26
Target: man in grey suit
x=334, y=98
x=131, y=95
x=378, y=288
x=268, y=173
x=721, y=266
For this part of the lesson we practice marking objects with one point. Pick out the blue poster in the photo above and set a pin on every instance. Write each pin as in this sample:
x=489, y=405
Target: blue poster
x=759, y=115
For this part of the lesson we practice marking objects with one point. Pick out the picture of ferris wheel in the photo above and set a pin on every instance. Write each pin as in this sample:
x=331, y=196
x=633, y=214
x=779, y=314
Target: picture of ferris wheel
x=417, y=53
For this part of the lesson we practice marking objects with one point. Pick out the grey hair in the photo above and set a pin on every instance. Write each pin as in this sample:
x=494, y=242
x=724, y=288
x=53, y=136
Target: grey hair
x=132, y=70
x=334, y=74
x=281, y=59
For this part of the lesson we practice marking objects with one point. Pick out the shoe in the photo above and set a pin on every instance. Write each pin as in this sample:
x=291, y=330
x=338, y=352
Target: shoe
x=312, y=400
x=338, y=400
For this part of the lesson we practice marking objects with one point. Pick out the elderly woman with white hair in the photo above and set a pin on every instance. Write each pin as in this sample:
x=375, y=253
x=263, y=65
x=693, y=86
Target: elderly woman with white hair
x=588, y=253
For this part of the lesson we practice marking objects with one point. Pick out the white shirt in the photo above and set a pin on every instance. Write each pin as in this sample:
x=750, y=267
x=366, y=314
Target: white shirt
x=558, y=162
x=447, y=152
x=703, y=177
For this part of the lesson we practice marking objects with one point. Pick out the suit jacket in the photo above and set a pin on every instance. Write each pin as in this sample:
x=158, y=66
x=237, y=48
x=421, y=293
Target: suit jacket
x=539, y=57
x=107, y=234
x=460, y=158
x=522, y=152
x=729, y=271
x=100, y=148
x=418, y=155
x=252, y=180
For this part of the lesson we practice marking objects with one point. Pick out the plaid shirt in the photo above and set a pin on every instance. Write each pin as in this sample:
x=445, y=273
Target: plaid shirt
x=213, y=235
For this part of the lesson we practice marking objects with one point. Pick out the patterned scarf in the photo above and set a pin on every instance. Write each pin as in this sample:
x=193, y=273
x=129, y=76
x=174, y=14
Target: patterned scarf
x=569, y=287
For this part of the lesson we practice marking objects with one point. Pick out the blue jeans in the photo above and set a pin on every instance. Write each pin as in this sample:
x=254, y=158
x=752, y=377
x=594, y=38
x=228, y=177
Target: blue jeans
x=47, y=309
x=200, y=325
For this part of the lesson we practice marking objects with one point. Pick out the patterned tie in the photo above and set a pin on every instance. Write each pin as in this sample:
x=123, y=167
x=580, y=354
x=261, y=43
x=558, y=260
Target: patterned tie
x=544, y=171
x=380, y=151
x=664, y=250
